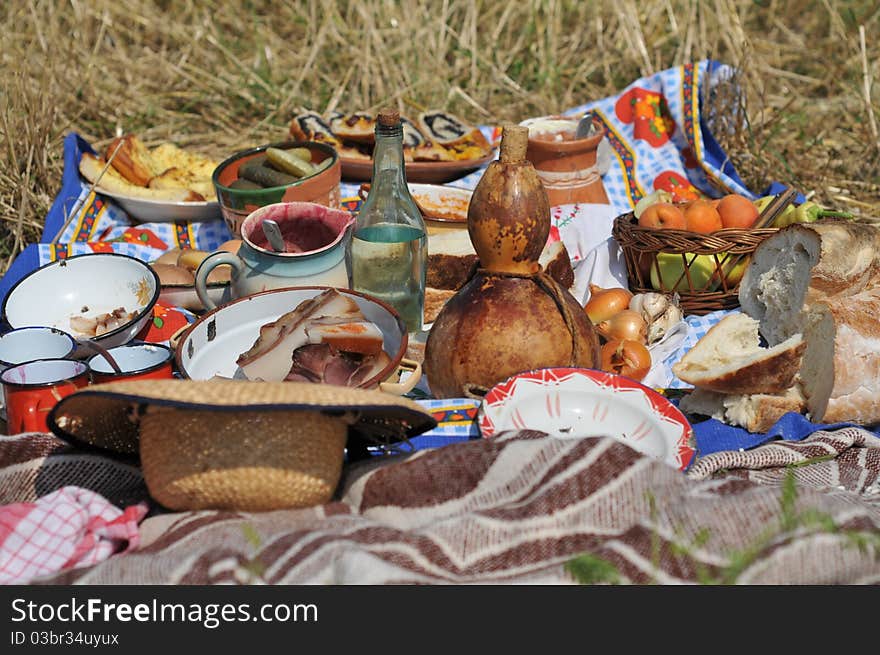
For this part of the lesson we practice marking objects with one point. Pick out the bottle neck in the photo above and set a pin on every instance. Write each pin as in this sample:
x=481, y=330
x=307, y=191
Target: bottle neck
x=388, y=154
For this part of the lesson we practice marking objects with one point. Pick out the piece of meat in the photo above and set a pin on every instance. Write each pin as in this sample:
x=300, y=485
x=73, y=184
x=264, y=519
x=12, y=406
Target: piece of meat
x=310, y=361
x=369, y=367
x=340, y=367
x=264, y=360
x=343, y=334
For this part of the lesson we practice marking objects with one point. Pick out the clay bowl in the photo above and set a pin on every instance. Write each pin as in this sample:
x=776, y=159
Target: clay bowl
x=236, y=204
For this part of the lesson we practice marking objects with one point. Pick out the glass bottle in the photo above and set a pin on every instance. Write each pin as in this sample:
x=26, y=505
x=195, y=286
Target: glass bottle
x=387, y=256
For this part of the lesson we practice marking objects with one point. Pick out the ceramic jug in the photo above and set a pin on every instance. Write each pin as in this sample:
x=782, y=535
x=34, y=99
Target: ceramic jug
x=314, y=251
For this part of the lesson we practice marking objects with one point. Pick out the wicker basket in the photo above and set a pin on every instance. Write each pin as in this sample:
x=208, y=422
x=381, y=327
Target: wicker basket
x=251, y=461
x=705, y=269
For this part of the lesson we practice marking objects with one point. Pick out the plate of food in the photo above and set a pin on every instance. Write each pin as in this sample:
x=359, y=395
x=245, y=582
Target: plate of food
x=438, y=146
x=154, y=185
x=571, y=403
x=436, y=202
x=301, y=334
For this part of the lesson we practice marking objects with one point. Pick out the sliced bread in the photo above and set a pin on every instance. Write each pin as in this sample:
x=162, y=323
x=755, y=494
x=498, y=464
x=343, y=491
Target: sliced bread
x=730, y=359
x=755, y=412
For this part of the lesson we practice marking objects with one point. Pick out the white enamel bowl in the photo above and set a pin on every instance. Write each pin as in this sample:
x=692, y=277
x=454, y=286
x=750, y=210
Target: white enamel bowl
x=211, y=345
x=571, y=403
x=85, y=285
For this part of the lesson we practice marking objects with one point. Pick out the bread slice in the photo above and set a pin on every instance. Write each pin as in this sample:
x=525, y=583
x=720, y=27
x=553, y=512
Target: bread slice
x=132, y=159
x=730, y=359
x=803, y=263
x=755, y=412
x=359, y=127
x=451, y=131
x=310, y=126
x=841, y=365
x=112, y=182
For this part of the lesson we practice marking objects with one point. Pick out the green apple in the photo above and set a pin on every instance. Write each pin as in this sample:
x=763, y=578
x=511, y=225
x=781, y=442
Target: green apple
x=701, y=270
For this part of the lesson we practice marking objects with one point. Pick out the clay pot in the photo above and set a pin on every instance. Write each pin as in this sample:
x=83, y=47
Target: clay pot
x=567, y=167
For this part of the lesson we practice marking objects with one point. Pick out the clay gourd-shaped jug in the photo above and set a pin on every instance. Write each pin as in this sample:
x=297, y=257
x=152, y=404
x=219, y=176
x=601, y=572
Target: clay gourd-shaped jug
x=510, y=317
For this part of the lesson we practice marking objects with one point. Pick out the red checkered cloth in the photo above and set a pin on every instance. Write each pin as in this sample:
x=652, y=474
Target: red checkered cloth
x=69, y=528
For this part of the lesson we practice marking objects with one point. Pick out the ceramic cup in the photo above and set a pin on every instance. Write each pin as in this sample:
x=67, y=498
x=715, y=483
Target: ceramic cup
x=569, y=168
x=32, y=389
x=138, y=361
x=314, y=239
x=30, y=343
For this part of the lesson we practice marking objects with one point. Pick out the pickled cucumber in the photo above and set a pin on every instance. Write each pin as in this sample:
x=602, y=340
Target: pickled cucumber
x=242, y=183
x=288, y=162
x=257, y=170
x=301, y=153
x=324, y=163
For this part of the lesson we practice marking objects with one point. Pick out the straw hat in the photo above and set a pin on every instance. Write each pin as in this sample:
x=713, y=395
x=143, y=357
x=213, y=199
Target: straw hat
x=227, y=444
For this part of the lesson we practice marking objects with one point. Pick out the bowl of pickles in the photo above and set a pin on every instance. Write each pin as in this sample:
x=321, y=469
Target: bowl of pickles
x=288, y=171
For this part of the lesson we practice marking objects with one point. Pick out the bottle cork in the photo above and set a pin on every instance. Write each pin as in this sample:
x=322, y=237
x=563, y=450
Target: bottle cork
x=514, y=142
x=388, y=117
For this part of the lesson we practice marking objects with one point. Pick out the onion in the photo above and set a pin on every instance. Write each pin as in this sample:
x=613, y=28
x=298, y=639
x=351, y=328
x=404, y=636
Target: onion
x=605, y=303
x=629, y=358
x=624, y=325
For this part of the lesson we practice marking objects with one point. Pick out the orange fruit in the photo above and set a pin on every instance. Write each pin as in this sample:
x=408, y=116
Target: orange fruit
x=663, y=215
x=737, y=211
x=702, y=217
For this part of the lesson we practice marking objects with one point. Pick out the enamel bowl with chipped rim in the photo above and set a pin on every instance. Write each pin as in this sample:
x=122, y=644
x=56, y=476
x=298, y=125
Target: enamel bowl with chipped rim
x=85, y=285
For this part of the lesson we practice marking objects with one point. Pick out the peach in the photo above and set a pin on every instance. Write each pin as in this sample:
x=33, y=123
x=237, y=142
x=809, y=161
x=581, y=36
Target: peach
x=737, y=211
x=700, y=216
x=663, y=215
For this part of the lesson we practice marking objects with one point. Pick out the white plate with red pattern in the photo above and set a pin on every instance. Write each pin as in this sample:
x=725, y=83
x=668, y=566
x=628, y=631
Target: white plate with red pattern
x=571, y=403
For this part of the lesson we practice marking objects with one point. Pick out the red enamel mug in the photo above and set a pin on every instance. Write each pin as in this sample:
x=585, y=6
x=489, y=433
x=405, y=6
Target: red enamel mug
x=32, y=389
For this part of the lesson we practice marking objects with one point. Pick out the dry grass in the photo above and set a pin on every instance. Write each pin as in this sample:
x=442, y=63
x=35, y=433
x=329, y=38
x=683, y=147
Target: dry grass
x=224, y=75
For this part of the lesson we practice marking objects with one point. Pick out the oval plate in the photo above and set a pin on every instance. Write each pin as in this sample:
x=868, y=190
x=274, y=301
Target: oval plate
x=436, y=172
x=571, y=403
x=146, y=210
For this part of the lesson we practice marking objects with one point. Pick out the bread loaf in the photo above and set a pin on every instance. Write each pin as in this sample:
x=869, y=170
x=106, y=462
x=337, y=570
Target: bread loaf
x=452, y=260
x=730, y=359
x=754, y=412
x=841, y=366
x=815, y=291
x=803, y=263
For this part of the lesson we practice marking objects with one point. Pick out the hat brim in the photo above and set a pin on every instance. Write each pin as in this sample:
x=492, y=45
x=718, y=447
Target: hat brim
x=105, y=417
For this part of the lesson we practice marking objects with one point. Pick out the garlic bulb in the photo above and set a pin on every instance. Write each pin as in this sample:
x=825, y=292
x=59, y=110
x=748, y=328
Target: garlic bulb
x=660, y=311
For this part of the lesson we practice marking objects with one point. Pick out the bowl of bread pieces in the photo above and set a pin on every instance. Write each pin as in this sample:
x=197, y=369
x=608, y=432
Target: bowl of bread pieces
x=437, y=146
x=177, y=267
x=159, y=184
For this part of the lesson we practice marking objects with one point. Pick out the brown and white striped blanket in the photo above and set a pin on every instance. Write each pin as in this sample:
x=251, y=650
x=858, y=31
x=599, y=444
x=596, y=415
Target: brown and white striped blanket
x=513, y=510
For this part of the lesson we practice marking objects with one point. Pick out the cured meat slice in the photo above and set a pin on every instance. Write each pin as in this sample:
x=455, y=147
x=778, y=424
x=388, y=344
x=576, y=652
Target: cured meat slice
x=266, y=359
